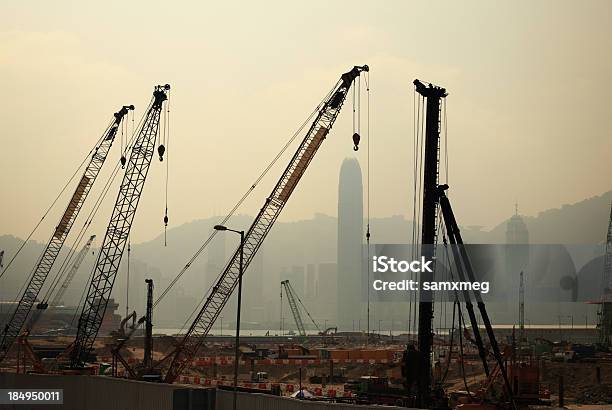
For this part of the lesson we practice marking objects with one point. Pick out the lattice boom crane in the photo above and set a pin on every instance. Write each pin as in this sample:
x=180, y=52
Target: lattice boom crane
x=220, y=293
x=293, y=299
x=45, y=262
x=57, y=299
x=118, y=230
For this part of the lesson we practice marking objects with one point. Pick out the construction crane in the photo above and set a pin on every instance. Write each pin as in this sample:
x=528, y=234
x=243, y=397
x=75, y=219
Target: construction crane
x=221, y=291
x=295, y=309
x=605, y=311
x=58, y=298
x=45, y=262
x=118, y=229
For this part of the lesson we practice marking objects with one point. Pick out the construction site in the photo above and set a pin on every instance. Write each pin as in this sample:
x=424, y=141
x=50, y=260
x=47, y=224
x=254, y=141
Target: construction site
x=78, y=333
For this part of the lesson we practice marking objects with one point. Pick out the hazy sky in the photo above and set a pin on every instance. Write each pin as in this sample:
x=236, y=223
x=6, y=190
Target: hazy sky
x=528, y=111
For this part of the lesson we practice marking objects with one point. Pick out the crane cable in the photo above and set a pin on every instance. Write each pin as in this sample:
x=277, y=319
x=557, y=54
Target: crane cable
x=450, y=349
x=127, y=280
x=167, y=142
x=89, y=154
x=418, y=120
x=463, y=375
x=369, y=179
x=238, y=204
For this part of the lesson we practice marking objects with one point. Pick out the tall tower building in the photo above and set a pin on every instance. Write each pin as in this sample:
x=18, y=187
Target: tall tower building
x=350, y=240
x=516, y=230
x=517, y=244
x=516, y=258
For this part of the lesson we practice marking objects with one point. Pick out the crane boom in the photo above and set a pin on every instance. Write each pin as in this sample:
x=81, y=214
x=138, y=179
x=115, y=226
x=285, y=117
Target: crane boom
x=294, y=307
x=118, y=230
x=73, y=270
x=45, y=262
x=274, y=204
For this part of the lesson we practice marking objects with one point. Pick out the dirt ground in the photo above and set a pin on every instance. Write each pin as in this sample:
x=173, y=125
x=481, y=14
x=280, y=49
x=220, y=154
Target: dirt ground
x=582, y=389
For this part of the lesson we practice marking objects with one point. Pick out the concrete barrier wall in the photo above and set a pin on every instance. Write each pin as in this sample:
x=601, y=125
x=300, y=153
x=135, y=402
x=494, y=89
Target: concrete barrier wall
x=253, y=401
x=93, y=392
x=106, y=393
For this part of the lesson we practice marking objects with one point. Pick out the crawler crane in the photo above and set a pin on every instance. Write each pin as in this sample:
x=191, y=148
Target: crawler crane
x=221, y=291
x=46, y=260
x=118, y=230
x=58, y=298
x=294, y=299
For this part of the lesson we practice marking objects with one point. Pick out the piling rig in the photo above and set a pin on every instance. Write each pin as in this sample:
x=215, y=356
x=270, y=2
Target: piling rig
x=434, y=198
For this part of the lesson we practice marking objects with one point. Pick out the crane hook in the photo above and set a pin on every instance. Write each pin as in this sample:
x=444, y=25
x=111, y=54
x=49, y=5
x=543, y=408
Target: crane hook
x=356, y=139
x=160, y=150
x=123, y=161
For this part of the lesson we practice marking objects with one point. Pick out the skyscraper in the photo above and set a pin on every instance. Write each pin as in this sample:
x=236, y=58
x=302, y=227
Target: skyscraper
x=517, y=245
x=350, y=240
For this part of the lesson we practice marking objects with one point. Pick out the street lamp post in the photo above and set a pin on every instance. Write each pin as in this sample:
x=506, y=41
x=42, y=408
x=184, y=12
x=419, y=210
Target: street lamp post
x=240, y=272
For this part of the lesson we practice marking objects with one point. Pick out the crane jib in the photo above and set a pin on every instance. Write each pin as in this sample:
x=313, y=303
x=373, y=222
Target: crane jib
x=309, y=152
